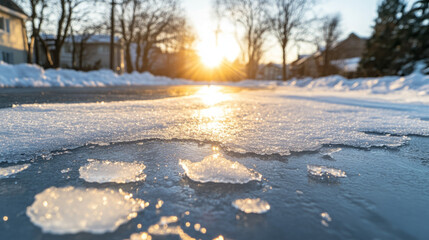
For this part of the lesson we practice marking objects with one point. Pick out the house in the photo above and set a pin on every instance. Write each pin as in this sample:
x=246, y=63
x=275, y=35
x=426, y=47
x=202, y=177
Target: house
x=270, y=71
x=13, y=36
x=343, y=59
x=87, y=53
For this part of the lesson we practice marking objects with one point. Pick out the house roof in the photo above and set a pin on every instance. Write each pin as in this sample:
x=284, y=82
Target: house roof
x=319, y=52
x=12, y=6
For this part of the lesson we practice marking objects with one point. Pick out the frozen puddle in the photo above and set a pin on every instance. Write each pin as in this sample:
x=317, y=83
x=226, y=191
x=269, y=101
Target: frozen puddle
x=109, y=171
x=215, y=168
x=325, y=172
x=72, y=210
x=162, y=228
x=12, y=170
x=249, y=205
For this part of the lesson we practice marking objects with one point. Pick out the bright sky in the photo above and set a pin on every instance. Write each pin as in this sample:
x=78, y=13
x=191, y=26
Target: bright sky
x=357, y=16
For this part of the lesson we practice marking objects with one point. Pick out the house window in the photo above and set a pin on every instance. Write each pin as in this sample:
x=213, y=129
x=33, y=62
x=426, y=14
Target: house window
x=4, y=25
x=2, y=28
x=7, y=23
x=7, y=57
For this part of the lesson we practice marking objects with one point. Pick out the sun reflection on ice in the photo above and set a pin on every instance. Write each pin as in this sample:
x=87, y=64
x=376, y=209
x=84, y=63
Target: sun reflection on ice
x=214, y=117
x=212, y=95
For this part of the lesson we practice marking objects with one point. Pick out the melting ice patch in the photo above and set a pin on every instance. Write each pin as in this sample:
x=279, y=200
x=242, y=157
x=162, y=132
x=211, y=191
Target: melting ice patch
x=109, y=171
x=252, y=205
x=215, y=168
x=72, y=210
x=163, y=227
x=325, y=172
x=12, y=170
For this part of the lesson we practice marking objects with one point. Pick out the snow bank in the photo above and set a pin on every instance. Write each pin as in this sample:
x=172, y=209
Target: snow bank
x=415, y=82
x=26, y=75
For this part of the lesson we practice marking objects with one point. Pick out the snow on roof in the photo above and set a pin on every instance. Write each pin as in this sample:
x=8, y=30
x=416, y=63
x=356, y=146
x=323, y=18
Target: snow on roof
x=347, y=65
x=100, y=38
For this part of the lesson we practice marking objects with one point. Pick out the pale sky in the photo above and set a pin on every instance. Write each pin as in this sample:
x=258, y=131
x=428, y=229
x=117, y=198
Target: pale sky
x=357, y=16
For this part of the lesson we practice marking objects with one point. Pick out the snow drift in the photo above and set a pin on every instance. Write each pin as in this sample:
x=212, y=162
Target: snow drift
x=26, y=75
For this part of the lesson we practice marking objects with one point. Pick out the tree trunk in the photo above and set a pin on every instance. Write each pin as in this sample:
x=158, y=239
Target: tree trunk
x=139, y=52
x=112, y=37
x=81, y=50
x=47, y=53
x=284, y=70
x=145, y=58
x=128, y=59
x=325, y=62
x=57, y=55
x=30, y=50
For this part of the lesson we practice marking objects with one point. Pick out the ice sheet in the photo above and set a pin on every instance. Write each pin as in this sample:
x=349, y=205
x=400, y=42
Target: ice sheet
x=263, y=122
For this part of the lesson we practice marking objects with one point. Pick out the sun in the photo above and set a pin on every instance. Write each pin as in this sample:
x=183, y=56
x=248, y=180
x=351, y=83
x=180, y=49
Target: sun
x=212, y=54
x=210, y=57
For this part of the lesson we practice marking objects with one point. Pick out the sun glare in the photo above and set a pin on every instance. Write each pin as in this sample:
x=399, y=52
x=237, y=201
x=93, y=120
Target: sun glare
x=212, y=54
x=211, y=57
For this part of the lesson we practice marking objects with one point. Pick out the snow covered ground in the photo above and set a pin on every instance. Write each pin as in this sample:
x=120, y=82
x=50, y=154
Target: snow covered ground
x=310, y=150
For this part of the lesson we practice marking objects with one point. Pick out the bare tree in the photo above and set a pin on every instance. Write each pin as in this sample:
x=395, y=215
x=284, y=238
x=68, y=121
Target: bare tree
x=159, y=22
x=127, y=21
x=287, y=17
x=252, y=27
x=330, y=34
x=37, y=13
x=66, y=10
x=80, y=39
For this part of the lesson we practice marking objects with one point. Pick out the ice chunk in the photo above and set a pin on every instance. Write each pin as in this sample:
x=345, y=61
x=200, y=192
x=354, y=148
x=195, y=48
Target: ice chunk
x=325, y=219
x=328, y=152
x=66, y=170
x=109, y=171
x=326, y=216
x=325, y=172
x=163, y=228
x=215, y=168
x=12, y=170
x=72, y=210
x=252, y=205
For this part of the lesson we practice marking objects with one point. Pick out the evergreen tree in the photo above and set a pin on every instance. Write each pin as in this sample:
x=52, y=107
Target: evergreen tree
x=383, y=50
x=416, y=32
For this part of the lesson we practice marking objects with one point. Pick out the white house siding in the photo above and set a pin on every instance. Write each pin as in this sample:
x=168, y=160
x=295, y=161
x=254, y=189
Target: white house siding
x=13, y=41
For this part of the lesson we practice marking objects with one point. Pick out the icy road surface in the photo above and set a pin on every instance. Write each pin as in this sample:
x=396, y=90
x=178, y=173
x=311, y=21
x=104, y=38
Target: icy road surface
x=331, y=165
